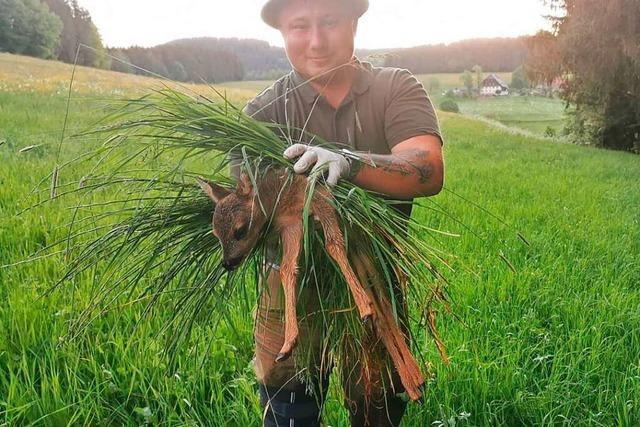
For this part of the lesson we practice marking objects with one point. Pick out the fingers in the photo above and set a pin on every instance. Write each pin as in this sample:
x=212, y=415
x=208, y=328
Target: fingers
x=318, y=158
x=332, y=168
x=334, y=174
x=307, y=160
x=295, y=150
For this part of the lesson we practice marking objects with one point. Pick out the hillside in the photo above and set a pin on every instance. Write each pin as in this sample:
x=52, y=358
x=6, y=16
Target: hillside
x=23, y=73
x=246, y=59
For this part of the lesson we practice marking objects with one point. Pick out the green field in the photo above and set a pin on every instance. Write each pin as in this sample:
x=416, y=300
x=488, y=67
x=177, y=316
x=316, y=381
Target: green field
x=555, y=343
x=533, y=114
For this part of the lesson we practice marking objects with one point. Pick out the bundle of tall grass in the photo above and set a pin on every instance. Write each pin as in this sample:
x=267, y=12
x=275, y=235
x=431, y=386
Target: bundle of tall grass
x=144, y=232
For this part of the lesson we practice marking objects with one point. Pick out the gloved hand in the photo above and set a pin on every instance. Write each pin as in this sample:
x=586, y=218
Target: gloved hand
x=338, y=164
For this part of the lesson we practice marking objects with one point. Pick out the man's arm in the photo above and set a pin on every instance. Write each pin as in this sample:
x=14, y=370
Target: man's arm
x=415, y=168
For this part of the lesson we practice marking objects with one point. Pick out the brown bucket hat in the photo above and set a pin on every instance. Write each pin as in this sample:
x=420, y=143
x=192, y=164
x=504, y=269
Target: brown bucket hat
x=272, y=8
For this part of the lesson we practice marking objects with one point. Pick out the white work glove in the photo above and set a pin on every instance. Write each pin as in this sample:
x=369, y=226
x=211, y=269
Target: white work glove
x=337, y=164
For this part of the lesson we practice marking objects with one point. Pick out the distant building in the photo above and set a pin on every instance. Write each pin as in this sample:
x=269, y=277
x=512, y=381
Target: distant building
x=493, y=86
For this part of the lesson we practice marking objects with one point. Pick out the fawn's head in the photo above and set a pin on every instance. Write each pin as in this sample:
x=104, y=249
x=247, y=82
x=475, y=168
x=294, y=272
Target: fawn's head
x=237, y=220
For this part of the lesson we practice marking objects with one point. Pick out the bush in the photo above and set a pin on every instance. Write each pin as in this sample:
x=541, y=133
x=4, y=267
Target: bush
x=449, y=105
x=550, y=132
x=519, y=79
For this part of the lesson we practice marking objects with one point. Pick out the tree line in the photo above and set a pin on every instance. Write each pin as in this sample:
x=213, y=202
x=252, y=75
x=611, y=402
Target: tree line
x=595, y=49
x=495, y=54
x=205, y=59
x=50, y=29
x=257, y=60
x=181, y=61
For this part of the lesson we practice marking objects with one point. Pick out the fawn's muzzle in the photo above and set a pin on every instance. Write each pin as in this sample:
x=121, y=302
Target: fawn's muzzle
x=232, y=263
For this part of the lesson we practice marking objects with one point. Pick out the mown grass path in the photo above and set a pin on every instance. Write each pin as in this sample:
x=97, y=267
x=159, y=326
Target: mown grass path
x=533, y=114
x=556, y=343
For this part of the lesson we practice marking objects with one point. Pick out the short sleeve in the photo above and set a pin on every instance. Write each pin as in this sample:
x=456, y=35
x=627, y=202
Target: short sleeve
x=251, y=109
x=262, y=107
x=409, y=111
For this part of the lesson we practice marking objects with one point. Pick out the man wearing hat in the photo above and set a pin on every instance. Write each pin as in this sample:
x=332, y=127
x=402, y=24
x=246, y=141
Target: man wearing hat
x=382, y=114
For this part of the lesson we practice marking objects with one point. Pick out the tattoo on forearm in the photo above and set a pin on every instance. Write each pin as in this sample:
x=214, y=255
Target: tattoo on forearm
x=395, y=167
x=424, y=171
x=406, y=165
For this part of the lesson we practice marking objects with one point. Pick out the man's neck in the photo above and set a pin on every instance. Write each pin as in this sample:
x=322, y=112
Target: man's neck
x=335, y=87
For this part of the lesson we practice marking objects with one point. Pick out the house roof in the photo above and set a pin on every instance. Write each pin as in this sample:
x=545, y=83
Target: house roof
x=497, y=79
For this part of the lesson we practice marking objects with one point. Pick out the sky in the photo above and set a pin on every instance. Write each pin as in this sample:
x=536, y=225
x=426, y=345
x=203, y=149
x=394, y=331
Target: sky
x=387, y=24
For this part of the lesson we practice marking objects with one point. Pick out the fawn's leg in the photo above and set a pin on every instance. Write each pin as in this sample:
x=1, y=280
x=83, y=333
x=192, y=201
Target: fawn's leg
x=388, y=330
x=334, y=243
x=291, y=241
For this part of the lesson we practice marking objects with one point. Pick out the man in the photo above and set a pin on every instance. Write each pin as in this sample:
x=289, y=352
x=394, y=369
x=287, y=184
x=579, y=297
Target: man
x=382, y=114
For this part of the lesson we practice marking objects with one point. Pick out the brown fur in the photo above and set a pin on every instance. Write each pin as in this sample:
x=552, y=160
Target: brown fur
x=241, y=216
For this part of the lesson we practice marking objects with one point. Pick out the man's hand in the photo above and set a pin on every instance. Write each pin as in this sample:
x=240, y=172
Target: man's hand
x=337, y=164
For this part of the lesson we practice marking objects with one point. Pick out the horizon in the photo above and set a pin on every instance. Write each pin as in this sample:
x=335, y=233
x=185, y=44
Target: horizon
x=281, y=47
x=120, y=25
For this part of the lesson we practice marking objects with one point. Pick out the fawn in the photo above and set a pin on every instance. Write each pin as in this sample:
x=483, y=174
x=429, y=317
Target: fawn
x=241, y=216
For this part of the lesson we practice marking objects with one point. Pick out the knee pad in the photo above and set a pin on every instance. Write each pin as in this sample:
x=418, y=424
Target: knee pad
x=285, y=408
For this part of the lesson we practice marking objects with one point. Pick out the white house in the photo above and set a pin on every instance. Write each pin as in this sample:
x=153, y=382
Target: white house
x=493, y=86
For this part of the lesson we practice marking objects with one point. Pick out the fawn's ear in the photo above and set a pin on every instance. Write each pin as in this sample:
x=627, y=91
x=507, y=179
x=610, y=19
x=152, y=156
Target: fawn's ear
x=244, y=185
x=213, y=190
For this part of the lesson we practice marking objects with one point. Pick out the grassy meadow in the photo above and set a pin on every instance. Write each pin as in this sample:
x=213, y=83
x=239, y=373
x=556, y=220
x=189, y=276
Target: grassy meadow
x=528, y=113
x=550, y=338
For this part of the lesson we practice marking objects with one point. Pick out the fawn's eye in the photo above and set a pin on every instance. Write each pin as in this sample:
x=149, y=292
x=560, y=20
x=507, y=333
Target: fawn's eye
x=241, y=232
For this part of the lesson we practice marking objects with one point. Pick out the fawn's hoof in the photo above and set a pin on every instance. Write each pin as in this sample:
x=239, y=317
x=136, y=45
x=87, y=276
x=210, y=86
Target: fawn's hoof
x=282, y=357
x=287, y=349
x=418, y=393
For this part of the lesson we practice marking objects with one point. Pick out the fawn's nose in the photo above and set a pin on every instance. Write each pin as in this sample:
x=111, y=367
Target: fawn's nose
x=232, y=263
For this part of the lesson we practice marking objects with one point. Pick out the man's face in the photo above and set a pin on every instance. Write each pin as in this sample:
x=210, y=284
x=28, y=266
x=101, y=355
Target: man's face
x=318, y=35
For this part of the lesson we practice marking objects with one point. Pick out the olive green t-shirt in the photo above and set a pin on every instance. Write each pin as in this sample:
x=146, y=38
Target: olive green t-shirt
x=384, y=107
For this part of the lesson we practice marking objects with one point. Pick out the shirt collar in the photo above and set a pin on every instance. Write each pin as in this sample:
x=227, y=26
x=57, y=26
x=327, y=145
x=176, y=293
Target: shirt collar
x=359, y=86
